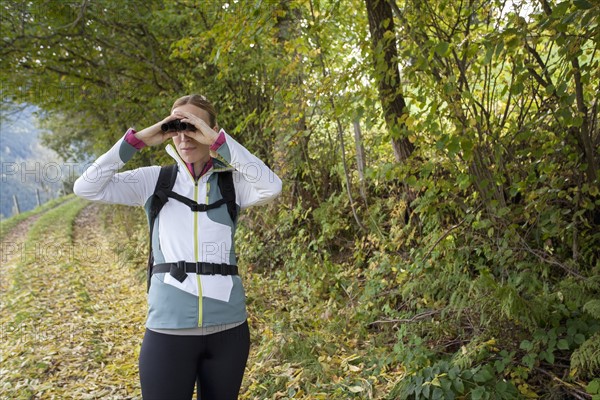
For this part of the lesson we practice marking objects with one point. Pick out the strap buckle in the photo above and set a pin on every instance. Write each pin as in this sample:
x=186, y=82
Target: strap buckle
x=178, y=272
x=198, y=207
x=209, y=269
x=225, y=269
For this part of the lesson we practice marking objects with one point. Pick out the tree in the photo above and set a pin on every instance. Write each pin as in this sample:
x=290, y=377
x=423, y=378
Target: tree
x=97, y=68
x=387, y=75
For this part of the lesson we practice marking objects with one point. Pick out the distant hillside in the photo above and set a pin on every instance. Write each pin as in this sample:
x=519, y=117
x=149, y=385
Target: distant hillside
x=27, y=166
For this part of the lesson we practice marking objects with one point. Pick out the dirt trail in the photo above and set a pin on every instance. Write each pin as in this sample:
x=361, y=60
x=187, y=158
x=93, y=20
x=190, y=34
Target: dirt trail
x=73, y=318
x=113, y=307
x=19, y=231
x=11, y=249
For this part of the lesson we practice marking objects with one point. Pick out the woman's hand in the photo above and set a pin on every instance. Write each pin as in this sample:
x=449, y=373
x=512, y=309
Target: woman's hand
x=153, y=135
x=203, y=134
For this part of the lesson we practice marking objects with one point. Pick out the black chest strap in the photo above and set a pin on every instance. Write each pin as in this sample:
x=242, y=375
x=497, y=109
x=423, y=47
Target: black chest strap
x=226, y=187
x=196, y=207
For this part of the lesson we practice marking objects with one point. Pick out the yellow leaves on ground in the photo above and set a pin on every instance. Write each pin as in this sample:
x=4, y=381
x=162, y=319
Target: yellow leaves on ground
x=72, y=319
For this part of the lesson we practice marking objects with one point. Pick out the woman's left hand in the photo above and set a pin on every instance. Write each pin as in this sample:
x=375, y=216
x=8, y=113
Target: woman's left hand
x=203, y=134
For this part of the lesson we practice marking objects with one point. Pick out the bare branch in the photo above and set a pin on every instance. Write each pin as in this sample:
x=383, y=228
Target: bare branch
x=539, y=60
x=453, y=227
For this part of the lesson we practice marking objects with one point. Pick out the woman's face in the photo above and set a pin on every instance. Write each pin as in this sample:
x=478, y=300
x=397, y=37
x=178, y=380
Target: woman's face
x=190, y=150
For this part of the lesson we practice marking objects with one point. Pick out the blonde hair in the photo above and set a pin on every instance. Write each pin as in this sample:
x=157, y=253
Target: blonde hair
x=201, y=102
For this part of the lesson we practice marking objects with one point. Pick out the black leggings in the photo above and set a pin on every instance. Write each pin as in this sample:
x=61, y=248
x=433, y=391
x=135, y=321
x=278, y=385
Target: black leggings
x=171, y=364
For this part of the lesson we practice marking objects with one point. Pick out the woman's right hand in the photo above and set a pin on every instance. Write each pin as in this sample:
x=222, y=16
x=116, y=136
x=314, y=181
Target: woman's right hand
x=153, y=135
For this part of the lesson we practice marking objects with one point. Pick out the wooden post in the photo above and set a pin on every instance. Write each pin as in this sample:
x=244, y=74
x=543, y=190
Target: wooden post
x=360, y=159
x=37, y=196
x=16, y=204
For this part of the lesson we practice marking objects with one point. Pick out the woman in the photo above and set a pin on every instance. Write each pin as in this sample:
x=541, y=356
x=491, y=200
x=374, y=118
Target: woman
x=196, y=329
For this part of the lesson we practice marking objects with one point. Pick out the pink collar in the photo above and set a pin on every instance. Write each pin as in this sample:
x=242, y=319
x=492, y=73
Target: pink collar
x=207, y=166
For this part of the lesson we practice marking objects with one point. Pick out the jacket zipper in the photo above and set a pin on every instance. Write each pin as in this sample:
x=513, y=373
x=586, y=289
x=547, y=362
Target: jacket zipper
x=197, y=255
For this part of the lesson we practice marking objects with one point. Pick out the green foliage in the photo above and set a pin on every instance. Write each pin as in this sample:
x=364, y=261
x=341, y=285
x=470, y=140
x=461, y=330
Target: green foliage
x=593, y=388
x=478, y=259
x=546, y=346
x=444, y=381
x=592, y=307
x=586, y=357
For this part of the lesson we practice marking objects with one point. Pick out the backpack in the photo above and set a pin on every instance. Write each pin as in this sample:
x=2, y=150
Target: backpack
x=164, y=190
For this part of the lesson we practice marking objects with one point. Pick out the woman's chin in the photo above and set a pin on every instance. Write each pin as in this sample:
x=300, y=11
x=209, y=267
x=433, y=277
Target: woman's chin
x=190, y=158
x=193, y=155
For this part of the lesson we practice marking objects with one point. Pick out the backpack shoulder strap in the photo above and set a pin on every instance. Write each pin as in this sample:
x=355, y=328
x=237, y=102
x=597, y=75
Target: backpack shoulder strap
x=225, y=181
x=164, y=184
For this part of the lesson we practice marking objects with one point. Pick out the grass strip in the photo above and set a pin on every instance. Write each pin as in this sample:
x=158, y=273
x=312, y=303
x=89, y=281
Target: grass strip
x=6, y=225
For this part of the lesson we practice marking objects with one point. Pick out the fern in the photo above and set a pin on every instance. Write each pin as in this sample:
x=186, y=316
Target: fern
x=592, y=307
x=586, y=359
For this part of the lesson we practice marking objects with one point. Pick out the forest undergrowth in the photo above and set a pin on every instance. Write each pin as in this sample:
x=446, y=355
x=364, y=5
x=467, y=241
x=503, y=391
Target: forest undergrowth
x=411, y=310
x=333, y=314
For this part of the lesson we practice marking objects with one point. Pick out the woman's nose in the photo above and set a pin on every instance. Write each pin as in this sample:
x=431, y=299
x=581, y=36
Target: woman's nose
x=182, y=136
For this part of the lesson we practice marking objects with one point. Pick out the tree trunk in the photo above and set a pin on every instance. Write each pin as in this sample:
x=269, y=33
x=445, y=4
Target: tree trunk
x=385, y=54
x=292, y=150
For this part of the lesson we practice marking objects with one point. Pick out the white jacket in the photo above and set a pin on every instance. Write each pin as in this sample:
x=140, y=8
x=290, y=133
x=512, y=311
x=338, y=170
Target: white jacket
x=180, y=234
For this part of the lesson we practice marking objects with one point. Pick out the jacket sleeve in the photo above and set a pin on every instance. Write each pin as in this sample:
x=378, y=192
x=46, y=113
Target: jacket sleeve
x=255, y=183
x=102, y=182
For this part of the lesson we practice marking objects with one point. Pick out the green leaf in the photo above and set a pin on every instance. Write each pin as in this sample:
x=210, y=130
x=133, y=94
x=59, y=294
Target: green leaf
x=560, y=9
x=592, y=307
x=549, y=356
x=483, y=376
x=453, y=146
x=453, y=373
x=437, y=394
x=499, y=48
x=488, y=55
x=442, y=49
x=464, y=181
x=526, y=345
x=593, y=387
x=467, y=147
x=501, y=387
x=529, y=360
x=477, y=394
x=583, y=4
x=517, y=88
x=217, y=54
x=459, y=385
x=563, y=344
